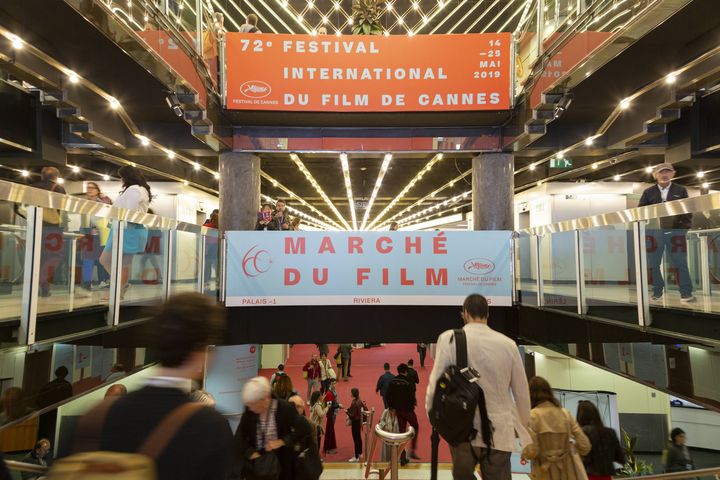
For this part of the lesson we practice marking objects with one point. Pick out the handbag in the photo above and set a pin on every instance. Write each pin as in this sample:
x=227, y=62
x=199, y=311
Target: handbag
x=338, y=358
x=308, y=465
x=580, y=473
x=265, y=467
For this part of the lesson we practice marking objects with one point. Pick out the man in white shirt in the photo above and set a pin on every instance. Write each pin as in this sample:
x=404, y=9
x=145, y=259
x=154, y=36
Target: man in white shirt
x=497, y=359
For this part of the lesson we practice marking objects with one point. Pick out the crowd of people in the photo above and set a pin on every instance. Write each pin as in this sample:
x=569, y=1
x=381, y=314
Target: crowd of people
x=277, y=218
x=285, y=431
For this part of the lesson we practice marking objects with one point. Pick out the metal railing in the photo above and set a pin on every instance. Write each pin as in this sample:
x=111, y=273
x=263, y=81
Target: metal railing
x=397, y=443
x=56, y=243
x=15, y=466
x=367, y=422
x=605, y=265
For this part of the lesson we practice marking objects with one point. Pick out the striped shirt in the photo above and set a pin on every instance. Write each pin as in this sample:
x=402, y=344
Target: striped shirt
x=267, y=429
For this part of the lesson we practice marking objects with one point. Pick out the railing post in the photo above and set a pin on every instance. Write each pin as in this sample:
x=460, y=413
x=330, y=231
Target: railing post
x=580, y=273
x=540, y=27
x=116, y=270
x=514, y=245
x=705, y=283
x=167, y=268
x=201, y=263
x=199, y=27
x=222, y=72
x=31, y=278
x=538, y=270
x=222, y=253
x=641, y=280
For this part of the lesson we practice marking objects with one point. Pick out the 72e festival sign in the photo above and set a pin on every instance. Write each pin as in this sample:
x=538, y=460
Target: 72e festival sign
x=367, y=268
x=360, y=73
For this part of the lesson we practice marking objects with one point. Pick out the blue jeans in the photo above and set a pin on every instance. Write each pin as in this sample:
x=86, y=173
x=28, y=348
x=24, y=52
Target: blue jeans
x=675, y=242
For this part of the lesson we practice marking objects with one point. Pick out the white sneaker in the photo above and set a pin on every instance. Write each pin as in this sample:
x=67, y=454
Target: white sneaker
x=353, y=460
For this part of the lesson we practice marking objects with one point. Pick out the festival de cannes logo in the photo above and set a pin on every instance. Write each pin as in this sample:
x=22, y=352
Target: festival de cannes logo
x=255, y=89
x=256, y=262
x=479, y=266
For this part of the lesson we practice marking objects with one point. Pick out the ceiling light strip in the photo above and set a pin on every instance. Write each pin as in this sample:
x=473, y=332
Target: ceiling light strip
x=294, y=196
x=519, y=10
x=348, y=188
x=272, y=12
x=447, y=17
x=301, y=166
x=254, y=9
x=480, y=17
x=428, y=166
x=226, y=14
x=430, y=195
x=383, y=169
x=294, y=14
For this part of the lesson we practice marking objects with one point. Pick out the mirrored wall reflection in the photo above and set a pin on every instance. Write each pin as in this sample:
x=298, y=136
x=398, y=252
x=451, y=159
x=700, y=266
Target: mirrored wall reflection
x=32, y=381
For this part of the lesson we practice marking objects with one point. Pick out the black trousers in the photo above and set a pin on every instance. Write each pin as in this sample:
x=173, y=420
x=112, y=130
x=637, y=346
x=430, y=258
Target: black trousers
x=356, y=428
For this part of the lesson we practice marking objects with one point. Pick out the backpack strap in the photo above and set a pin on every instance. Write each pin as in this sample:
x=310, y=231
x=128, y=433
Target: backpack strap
x=168, y=427
x=461, y=356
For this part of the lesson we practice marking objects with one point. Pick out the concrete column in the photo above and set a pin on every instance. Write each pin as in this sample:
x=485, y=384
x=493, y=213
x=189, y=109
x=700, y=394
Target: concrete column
x=239, y=190
x=492, y=191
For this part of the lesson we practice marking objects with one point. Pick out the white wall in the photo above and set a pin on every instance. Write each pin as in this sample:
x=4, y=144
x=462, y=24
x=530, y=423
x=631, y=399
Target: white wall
x=702, y=427
x=273, y=355
x=570, y=374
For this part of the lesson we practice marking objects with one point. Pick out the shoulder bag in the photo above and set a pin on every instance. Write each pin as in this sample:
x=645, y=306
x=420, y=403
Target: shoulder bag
x=580, y=473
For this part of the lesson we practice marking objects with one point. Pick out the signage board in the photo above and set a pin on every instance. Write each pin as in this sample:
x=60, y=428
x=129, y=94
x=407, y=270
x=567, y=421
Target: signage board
x=397, y=73
x=229, y=368
x=367, y=268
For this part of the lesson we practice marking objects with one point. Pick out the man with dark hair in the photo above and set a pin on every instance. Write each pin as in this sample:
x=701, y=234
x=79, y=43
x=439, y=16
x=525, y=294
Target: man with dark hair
x=671, y=236
x=202, y=445
x=412, y=375
x=281, y=219
x=250, y=25
x=51, y=393
x=497, y=360
x=383, y=383
x=401, y=398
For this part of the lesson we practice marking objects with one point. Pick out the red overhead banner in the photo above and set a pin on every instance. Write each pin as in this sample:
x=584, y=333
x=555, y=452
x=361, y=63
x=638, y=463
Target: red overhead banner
x=398, y=73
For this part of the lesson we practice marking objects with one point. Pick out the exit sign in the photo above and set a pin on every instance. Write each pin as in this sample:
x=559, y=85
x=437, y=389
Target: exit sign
x=561, y=163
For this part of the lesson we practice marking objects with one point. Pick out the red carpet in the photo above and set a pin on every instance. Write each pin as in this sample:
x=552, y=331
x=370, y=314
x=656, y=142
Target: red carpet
x=365, y=369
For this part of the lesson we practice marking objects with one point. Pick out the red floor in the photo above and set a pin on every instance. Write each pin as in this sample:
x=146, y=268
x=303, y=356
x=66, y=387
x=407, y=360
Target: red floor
x=365, y=369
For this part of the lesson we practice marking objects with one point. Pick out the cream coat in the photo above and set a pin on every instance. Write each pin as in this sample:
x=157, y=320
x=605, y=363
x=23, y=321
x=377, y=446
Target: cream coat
x=551, y=429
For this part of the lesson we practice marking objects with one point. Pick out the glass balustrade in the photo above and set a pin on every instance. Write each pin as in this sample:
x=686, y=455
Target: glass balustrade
x=65, y=269
x=655, y=266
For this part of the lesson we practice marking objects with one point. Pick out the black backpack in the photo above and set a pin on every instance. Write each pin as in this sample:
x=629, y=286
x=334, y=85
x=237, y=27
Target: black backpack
x=457, y=397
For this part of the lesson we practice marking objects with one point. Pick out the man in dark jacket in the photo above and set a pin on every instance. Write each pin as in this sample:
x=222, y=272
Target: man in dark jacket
x=413, y=376
x=677, y=456
x=50, y=394
x=202, y=446
x=671, y=236
x=383, y=383
x=401, y=398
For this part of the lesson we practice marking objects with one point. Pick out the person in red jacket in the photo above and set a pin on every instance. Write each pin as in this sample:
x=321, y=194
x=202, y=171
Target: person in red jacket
x=311, y=372
x=331, y=400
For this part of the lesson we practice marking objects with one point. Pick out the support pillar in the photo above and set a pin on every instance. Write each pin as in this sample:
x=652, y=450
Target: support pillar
x=493, y=184
x=239, y=190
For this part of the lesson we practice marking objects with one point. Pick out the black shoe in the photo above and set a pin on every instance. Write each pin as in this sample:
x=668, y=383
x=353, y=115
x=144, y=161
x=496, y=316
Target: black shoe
x=657, y=295
x=689, y=298
x=44, y=292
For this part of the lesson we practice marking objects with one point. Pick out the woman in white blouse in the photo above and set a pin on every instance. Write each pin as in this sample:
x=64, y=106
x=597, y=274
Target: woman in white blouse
x=136, y=195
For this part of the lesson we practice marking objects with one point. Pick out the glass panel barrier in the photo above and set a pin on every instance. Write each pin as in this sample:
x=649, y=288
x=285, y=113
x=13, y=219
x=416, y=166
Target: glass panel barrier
x=526, y=268
x=71, y=276
x=185, y=263
x=609, y=268
x=13, y=234
x=558, y=272
x=144, y=259
x=211, y=272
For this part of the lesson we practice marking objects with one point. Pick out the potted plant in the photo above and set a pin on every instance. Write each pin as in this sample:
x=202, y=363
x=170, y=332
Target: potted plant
x=366, y=18
x=633, y=467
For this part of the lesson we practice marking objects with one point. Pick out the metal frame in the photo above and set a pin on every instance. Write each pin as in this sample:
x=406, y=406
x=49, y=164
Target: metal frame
x=116, y=268
x=705, y=283
x=641, y=280
x=538, y=267
x=201, y=263
x=580, y=273
x=31, y=278
x=222, y=268
x=168, y=267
